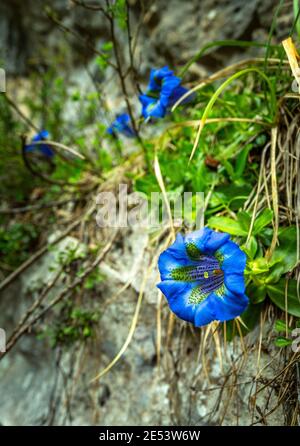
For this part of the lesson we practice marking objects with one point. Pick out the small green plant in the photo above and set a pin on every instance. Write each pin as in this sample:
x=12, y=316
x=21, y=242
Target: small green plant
x=75, y=324
x=16, y=243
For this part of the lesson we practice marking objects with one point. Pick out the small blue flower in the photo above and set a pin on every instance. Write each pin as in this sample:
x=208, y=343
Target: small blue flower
x=202, y=277
x=157, y=76
x=45, y=149
x=163, y=91
x=152, y=107
x=122, y=125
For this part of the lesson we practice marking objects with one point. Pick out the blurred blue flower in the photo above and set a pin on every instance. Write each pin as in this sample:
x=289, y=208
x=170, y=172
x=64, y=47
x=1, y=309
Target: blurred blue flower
x=152, y=107
x=163, y=91
x=122, y=125
x=45, y=149
x=202, y=277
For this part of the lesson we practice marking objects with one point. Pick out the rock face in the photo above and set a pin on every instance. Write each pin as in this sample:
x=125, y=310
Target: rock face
x=172, y=31
x=184, y=27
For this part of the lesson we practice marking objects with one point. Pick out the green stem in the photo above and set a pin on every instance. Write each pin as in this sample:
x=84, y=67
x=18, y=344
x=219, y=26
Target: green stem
x=296, y=18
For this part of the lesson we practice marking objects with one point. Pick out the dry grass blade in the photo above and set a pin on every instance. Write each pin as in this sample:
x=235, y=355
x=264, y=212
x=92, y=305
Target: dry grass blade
x=293, y=58
x=130, y=333
x=133, y=322
x=161, y=183
x=274, y=190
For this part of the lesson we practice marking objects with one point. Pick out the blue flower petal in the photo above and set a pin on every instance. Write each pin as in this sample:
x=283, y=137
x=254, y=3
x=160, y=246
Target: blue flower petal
x=205, y=313
x=167, y=85
x=173, y=257
x=212, y=308
x=207, y=240
x=122, y=125
x=43, y=134
x=229, y=306
x=45, y=149
x=233, y=258
x=152, y=107
x=156, y=77
x=177, y=93
x=178, y=294
x=156, y=110
x=146, y=101
x=235, y=283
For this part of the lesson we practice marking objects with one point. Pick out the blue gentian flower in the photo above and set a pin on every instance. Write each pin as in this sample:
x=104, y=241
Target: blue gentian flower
x=157, y=76
x=152, y=107
x=163, y=91
x=45, y=149
x=122, y=125
x=202, y=277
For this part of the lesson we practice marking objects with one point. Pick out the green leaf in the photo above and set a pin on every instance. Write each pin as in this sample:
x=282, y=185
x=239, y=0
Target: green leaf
x=227, y=224
x=147, y=185
x=282, y=342
x=87, y=332
x=251, y=247
x=277, y=292
x=244, y=219
x=241, y=162
x=258, y=266
x=229, y=167
x=107, y=46
x=281, y=326
x=284, y=258
x=101, y=62
x=230, y=194
x=264, y=219
x=118, y=9
x=266, y=236
x=257, y=293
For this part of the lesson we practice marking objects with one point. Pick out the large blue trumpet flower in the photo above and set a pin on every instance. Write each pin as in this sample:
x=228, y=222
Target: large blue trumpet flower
x=45, y=149
x=202, y=277
x=163, y=91
x=122, y=124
